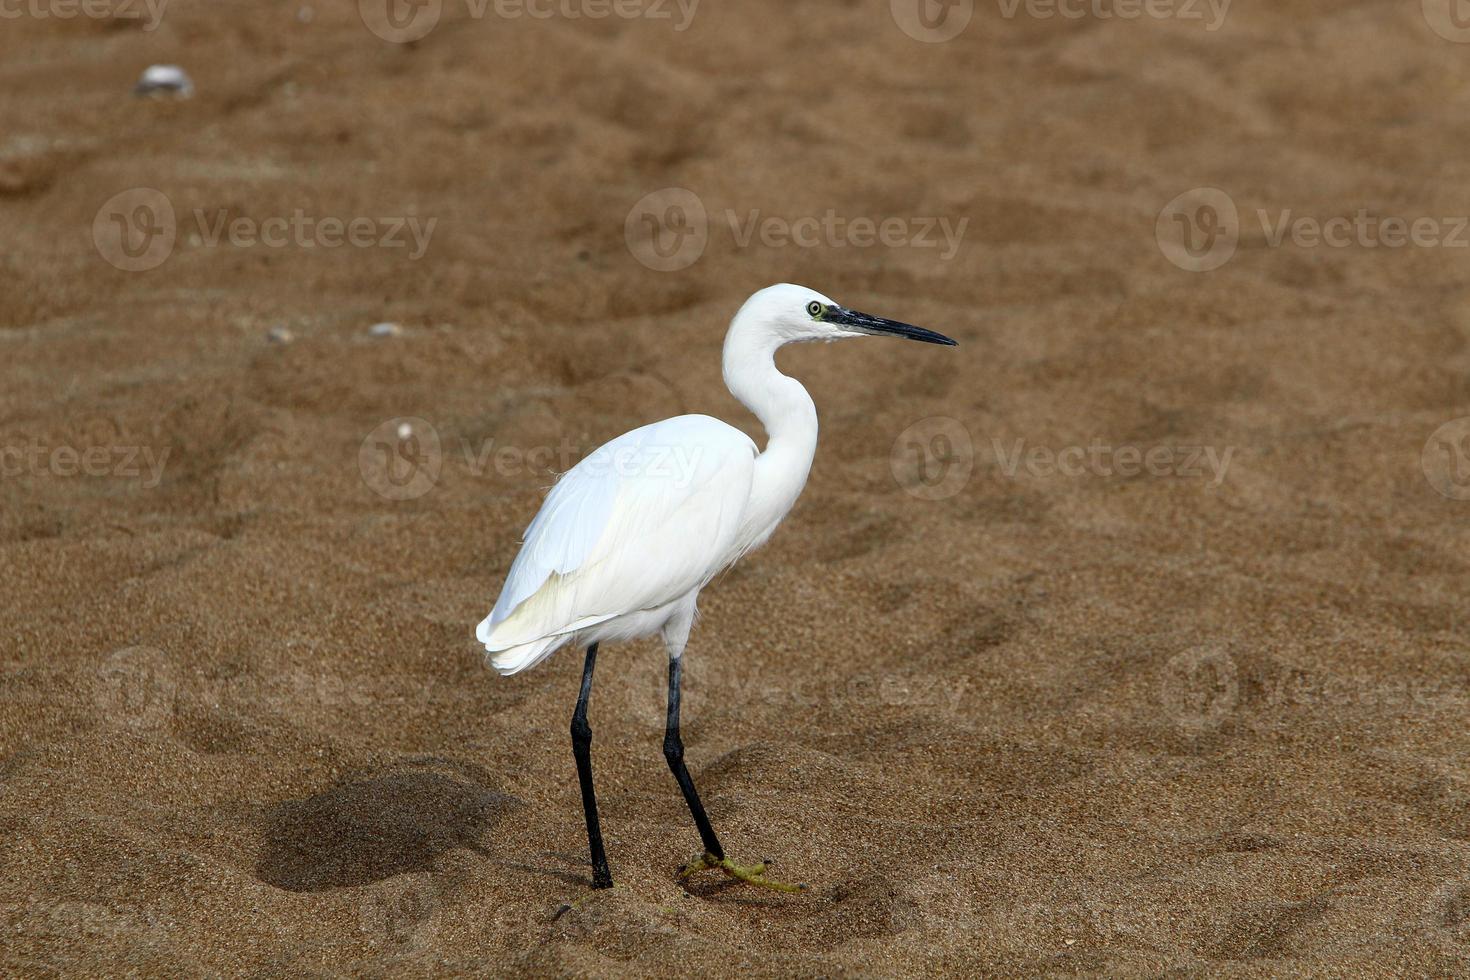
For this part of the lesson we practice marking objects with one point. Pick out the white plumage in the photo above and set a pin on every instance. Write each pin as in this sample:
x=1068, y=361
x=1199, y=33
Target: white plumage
x=628, y=536
x=635, y=527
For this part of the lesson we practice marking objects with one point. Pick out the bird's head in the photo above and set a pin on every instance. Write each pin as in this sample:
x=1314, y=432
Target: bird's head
x=796, y=313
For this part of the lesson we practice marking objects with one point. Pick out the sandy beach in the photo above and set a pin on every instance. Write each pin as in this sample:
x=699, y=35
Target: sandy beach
x=1130, y=637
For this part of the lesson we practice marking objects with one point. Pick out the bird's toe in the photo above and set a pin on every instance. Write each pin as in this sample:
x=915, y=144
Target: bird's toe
x=751, y=874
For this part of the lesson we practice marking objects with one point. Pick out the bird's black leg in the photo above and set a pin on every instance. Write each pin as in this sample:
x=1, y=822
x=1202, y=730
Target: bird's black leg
x=713, y=857
x=674, y=752
x=582, y=751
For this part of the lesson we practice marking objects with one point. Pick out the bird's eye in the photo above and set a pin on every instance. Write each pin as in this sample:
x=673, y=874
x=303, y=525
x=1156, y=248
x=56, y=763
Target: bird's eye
x=815, y=309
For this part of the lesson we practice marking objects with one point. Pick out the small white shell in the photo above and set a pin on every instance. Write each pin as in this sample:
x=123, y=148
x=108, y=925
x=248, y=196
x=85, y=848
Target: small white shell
x=168, y=79
x=385, y=330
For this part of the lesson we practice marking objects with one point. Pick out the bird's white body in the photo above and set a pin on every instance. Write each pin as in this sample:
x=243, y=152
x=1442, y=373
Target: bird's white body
x=628, y=536
x=625, y=540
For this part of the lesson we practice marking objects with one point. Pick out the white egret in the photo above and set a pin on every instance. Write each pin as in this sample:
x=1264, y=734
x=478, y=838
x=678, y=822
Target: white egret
x=629, y=535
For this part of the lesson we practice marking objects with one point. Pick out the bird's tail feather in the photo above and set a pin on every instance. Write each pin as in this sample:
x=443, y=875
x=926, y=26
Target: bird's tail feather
x=513, y=660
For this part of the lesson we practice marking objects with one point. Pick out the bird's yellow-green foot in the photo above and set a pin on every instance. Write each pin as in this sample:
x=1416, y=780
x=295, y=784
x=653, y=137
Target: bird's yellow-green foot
x=751, y=874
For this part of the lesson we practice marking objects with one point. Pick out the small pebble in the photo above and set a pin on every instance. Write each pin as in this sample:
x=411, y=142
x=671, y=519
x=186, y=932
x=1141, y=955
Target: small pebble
x=280, y=335
x=164, y=80
x=385, y=330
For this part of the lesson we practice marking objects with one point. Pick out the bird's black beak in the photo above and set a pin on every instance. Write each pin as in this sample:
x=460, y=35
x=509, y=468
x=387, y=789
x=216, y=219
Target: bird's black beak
x=879, y=327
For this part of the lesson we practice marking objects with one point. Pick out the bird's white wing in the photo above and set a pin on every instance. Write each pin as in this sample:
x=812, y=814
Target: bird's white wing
x=645, y=519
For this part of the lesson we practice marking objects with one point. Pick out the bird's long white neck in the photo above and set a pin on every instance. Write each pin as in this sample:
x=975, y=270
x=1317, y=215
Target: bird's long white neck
x=788, y=415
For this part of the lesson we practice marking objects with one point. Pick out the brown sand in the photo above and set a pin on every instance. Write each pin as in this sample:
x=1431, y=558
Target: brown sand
x=1045, y=723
